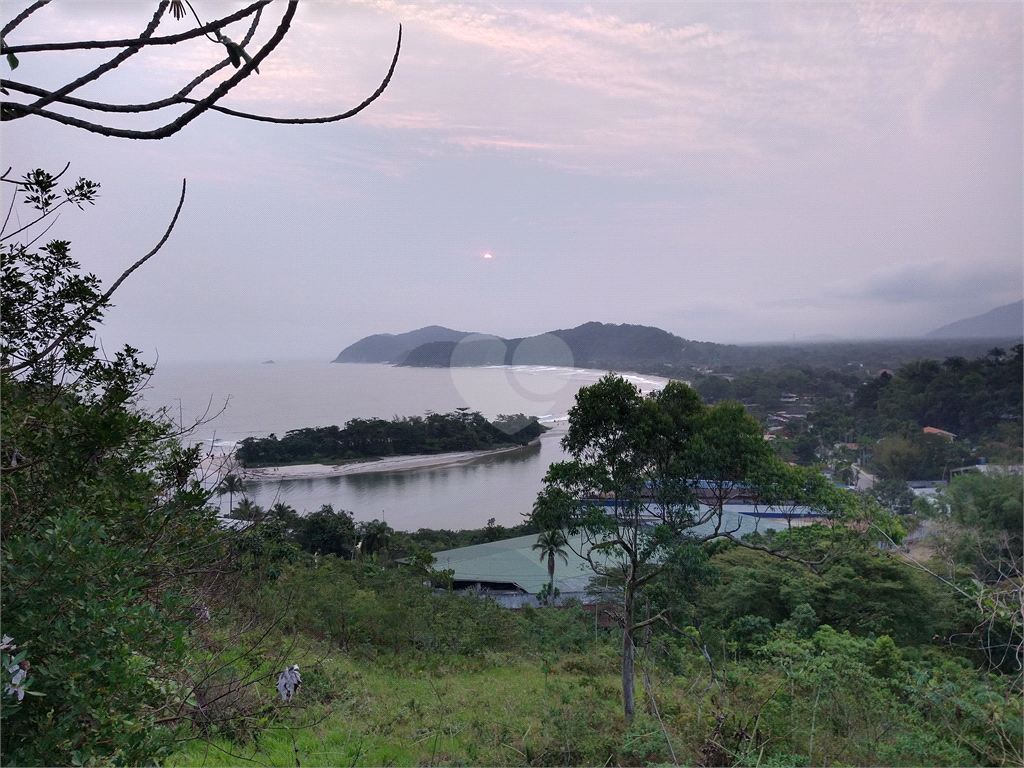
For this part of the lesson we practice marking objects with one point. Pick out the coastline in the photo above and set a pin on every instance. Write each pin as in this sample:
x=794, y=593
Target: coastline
x=409, y=463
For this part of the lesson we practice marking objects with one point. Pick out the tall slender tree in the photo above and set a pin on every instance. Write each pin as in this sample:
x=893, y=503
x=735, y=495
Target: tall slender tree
x=231, y=484
x=551, y=545
x=649, y=478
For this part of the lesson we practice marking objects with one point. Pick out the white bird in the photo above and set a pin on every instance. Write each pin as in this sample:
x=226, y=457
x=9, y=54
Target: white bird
x=288, y=682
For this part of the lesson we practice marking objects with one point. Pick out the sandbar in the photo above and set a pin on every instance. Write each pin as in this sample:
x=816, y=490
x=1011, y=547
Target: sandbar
x=371, y=466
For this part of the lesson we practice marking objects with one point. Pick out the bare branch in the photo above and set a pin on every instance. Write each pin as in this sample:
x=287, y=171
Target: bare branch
x=811, y=564
x=317, y=120
x=176, y=125
x=660, y=616
x=99, y=71
x=49, y=212
x=23, y=184
x=99, y=106
x=9, y=27
x=124, y=43
x=13, y=110
x=102, y=299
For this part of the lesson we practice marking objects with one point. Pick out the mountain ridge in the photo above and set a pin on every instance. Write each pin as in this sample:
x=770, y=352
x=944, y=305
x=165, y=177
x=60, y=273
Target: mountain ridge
x=651, y=350
x=1004, y=321
x=392, y=348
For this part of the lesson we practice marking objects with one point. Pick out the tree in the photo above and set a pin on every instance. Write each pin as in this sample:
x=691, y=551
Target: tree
x=110, y=555
x=649, y=478
x=894, y=494
x=244, y=64
x=231, y=484
x=374, y=536
x=248, y=510
x=108, y=548
x=551, y=545
x=326, y=532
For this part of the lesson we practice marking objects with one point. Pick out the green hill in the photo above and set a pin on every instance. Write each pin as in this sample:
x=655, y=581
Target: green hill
x=391, y=348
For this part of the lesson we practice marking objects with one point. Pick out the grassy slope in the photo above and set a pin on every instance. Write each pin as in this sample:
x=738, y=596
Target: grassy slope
x=494, y=710
x=503, y=710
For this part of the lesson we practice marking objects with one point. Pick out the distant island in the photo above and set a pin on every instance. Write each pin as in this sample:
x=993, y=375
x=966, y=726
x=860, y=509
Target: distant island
x=460, y=430
x=646, y=349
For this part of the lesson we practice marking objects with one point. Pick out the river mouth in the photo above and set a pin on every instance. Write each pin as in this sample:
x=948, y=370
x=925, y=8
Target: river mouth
x=420, y=492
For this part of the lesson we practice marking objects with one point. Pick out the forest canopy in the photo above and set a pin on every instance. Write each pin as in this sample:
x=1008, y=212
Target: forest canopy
x=460, y=430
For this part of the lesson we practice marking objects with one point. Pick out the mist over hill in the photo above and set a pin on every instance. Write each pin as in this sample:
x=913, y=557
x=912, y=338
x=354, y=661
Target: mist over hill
x=1005, y=321
x=646, y=349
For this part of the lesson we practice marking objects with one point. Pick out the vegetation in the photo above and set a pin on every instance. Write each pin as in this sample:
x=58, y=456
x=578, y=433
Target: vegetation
x=109, y=551
x=836, y=418
x=803, y=672
x=641, y=468
x=460, y=430
x=139, y=629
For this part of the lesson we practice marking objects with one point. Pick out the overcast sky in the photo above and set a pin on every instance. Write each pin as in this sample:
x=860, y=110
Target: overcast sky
x=725, y=171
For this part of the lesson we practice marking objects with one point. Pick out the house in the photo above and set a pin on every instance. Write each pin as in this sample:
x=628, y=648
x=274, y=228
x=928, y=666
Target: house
x=511, y=571
x=1015, y=470
x=940, y=432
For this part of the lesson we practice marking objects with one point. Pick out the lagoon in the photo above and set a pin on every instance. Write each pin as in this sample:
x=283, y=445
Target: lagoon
x=232, y=401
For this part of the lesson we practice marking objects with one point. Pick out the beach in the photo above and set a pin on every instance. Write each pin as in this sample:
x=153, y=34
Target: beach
x=371, y=466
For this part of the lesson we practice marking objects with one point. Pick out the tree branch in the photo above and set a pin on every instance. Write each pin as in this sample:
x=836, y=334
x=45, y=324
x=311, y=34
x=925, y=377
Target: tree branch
x=180, y=98
x=176, y=125
x=316, y=120
x=213, y=26
x=100, y=106
x=99, y=71
x=106, y=296
x=9, y=27
x=659, y=616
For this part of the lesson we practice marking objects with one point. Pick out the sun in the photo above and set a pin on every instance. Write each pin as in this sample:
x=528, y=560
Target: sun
x=488, y=256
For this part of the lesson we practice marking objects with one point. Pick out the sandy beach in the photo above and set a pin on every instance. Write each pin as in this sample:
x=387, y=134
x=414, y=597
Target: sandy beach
x=370, y=466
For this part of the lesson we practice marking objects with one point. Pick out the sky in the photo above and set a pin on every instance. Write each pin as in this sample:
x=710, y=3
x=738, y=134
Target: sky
x=730, y=172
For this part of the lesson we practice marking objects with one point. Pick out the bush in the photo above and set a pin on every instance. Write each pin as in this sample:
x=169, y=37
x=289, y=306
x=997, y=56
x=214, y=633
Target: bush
x=105, y=533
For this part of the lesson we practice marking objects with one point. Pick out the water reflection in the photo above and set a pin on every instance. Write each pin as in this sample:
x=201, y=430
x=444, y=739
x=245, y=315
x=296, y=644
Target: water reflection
x=502, y=486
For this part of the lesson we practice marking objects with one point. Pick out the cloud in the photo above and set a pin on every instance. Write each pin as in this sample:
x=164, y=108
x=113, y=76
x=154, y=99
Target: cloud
x=941, y=281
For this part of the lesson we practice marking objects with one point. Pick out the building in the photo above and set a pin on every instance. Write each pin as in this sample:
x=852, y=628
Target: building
x=512, y=573
x=940, y=432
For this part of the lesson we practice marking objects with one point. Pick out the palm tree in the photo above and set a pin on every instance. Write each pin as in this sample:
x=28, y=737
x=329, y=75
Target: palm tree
x=247, y=510
x=231, y=484
x=284, y=513
x=376, y=536
x=550, y=544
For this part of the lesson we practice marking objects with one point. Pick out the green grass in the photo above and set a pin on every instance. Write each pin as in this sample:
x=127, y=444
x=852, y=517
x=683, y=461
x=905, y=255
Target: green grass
x=505, y=709
x=489, y=711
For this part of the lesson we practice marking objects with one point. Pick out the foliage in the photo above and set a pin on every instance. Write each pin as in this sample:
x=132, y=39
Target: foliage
x=362, y=608
x=914, y=455
x=979, y=538
x=107, y=540
x=894, y=495
x=859, y=590
x=369, y=438
x=374, y=536
x=326, y=532
x=641, y=468
x=978, y=400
